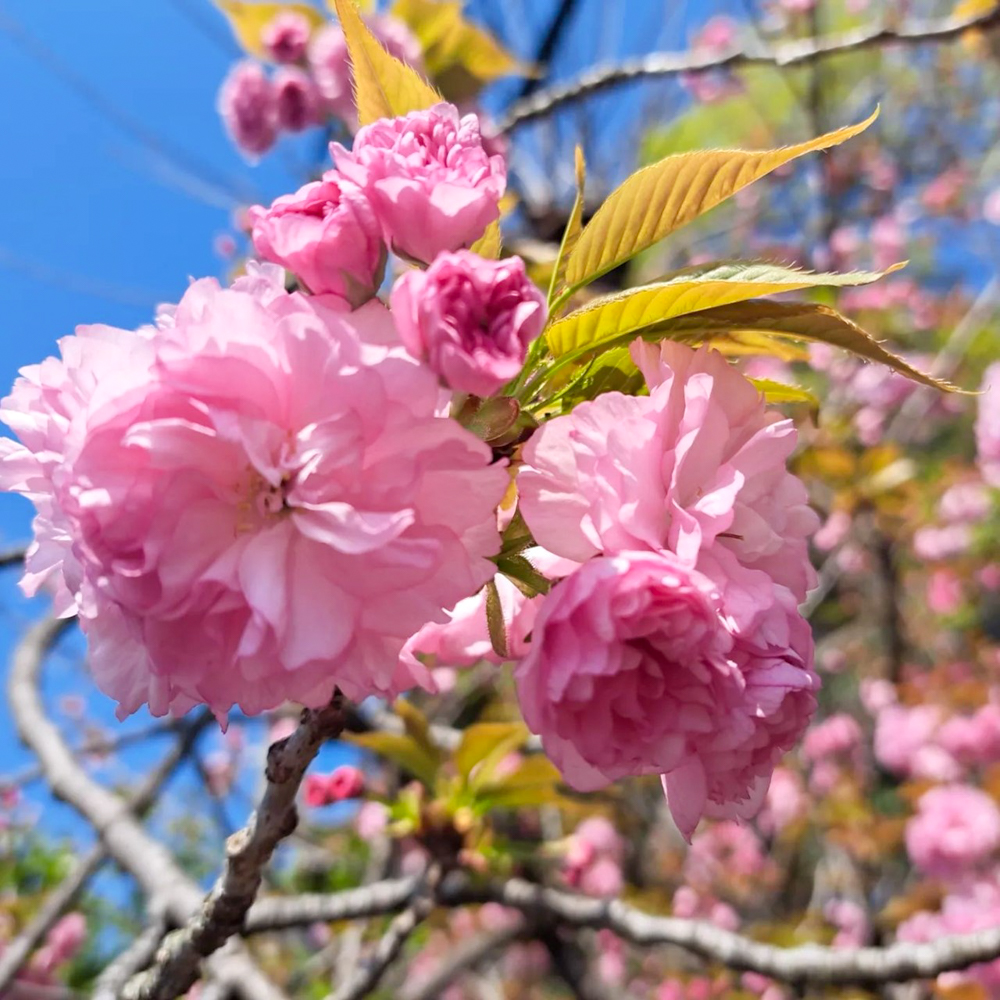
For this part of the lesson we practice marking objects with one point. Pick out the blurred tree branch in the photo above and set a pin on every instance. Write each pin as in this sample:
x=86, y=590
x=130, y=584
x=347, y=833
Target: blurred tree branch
x=788, y=54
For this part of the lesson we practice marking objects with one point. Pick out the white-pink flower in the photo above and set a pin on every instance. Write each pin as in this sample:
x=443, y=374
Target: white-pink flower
x=248, y=504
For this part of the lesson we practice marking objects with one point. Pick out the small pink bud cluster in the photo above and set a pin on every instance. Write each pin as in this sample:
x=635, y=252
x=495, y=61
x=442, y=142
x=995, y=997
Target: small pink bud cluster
x=344, y=782
x=593, y=858
x=312, y=82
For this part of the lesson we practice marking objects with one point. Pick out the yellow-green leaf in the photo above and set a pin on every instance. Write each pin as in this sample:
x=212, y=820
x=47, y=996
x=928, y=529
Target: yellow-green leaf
x=402, y=750
x=490, y=244
x=795, y=320
x=664, y=196
x=633, y=312
x=384, y=86
x=483, y=741
x=781, y=392
x=454, y=46
x=574, y=226
x=417, y=727
x=248, y=20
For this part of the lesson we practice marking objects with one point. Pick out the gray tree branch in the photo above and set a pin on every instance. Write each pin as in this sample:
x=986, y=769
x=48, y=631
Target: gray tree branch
x=154, y=868
x=798, y=53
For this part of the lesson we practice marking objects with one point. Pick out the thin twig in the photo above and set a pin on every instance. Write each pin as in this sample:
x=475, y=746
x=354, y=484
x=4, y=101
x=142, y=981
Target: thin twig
x=464, y=958
x=132, y=960
x=798, y=53
x=373, y=967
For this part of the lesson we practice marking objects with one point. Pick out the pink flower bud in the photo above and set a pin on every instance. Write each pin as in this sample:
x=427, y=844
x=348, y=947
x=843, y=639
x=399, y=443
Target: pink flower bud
x=297, y=99
x=469, y=318
x=431, y=182
x=327, y=235
x=286, y=36
x=346, y=782
x=249, y=109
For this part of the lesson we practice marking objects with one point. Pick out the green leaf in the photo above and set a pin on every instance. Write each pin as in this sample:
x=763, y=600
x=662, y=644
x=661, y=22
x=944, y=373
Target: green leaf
x=664, y=196
x=574, y=226
x=249, y=19
x=523, y=575
x=384, y=86
x=795, y=320
x=417, y=727
x=494, y=620
x=535, y=782
x=630, y=313
x=780, y=392
x=402, y=750
x=483, y=740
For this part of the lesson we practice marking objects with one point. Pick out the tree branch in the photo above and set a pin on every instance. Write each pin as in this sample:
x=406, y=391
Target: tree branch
x=149, y=862
x=797, y=53
x=17, y=952
x=247, y=852
x=133, y=959
x=811, y=964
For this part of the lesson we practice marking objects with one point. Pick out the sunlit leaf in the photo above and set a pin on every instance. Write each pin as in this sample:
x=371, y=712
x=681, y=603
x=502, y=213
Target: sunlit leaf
x=490, y=244
x=385, y=87
x=459, y=54
x=574, y=226
x=400, y=749
x=535, y=782
x=780, y=392
x=664, y=196
x=248, y=20
x=630, y=313
x=797, y=320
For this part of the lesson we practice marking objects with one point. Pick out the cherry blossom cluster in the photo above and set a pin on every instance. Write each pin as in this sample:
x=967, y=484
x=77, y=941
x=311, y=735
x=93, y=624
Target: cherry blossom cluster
x=311, y=83
x=271, y=493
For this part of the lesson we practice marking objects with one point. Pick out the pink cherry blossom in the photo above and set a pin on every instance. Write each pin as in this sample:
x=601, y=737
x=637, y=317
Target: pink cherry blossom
x=975, y=739
x=836, y=736
x=973, y=906
x=327, y=235
x=724, y=851
x=201, y=504
x=249, y=108
x=965, y=503
x=905, y=743
x=371, y=820
x=296, y=98
x=785, y=803
x=991, y=207
x=697, y=467
x=429, y=179
x=932, y=542
x=286, y=36
x=470, y=319
x=633, y=670
x=851, y=920
x=944, y=592
x=988, y=425
x=956, y=828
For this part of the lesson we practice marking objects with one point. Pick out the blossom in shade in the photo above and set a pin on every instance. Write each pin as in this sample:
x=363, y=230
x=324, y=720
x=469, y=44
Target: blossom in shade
x=286, y=36
x=202, y=507
x=956, y=828
x=470, y=319
x=988, y=425
x=327, y=235
x=632, y=669
x=697, y=467
x=432, y=184
x=905, y=743
x=296, y=98
x=249, y=108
